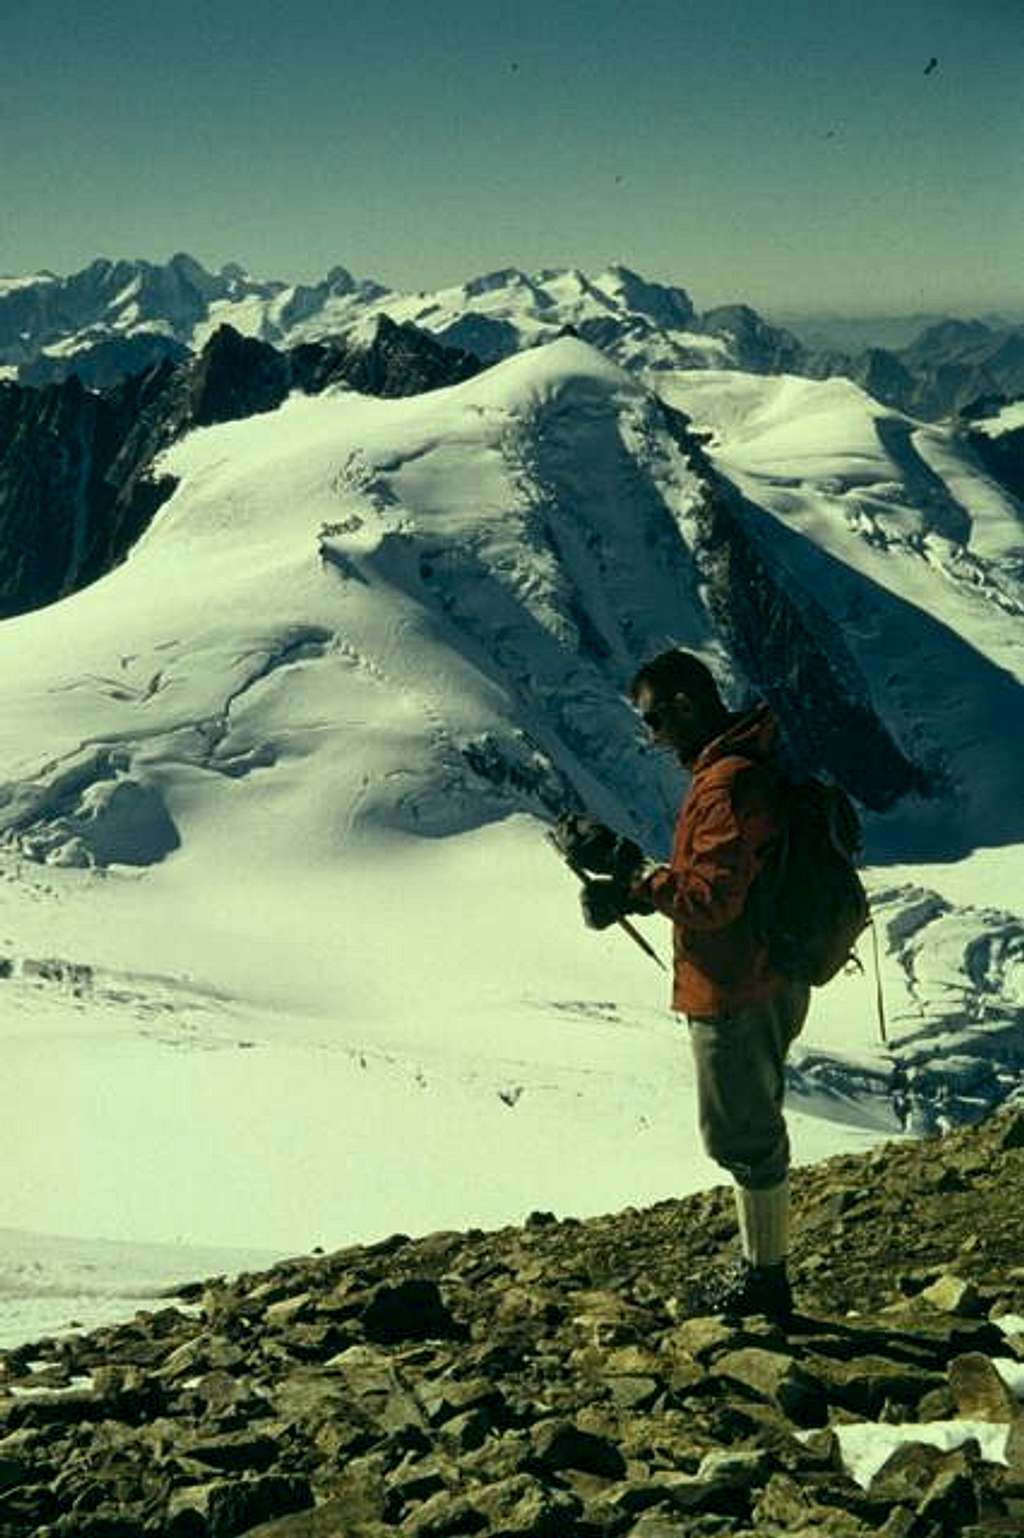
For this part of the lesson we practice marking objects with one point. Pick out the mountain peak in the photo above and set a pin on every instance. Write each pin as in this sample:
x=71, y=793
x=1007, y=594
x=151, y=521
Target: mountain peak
x=502, y=277
x=665, y=304
x=187, y=265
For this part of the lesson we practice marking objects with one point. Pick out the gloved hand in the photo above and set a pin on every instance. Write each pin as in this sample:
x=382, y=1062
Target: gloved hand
x=590, y=845
x=604, y=901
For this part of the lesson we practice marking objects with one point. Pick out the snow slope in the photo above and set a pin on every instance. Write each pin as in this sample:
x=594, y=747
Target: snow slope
x=286, y=958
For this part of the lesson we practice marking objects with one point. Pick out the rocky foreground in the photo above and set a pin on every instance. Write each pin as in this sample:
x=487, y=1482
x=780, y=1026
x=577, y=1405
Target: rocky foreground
x=550, y=1380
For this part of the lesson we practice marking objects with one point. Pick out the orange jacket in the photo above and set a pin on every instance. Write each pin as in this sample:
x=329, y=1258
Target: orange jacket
x=727, y=823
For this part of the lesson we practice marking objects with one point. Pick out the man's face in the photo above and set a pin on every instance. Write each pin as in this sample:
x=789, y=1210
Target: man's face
x=673, y=722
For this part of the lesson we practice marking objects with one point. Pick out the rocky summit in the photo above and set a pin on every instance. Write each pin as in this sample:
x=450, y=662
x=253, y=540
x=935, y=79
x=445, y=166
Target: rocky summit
x=552, y=1380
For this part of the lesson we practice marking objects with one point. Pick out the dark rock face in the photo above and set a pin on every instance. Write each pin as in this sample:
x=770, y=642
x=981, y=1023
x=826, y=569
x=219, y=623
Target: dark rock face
x=73, y=493
x=402, y=360
x=884, y=376
x=666, y=305
x=105, y=363
x=793, y=653
x=76, y=489
x=564, y=1388
x=760, y=348
x=234, y=377
x=788, y=647
x=1003, y=457
x=489, y=338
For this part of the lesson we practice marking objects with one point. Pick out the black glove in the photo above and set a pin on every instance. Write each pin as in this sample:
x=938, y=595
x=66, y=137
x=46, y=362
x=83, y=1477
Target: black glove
x=604, y=901
x=589, y=845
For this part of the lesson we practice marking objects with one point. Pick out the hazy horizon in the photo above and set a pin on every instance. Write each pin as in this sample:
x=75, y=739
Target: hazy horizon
x=864, y=160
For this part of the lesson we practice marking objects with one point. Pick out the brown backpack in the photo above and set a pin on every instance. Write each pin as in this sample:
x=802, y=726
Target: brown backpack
x=810, y=905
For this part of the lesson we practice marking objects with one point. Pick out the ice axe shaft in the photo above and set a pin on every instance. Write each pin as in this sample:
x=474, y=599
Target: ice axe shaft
x=623, y=923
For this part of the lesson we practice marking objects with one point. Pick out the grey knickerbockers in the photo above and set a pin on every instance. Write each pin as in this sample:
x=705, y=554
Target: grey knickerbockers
x=740, y=1061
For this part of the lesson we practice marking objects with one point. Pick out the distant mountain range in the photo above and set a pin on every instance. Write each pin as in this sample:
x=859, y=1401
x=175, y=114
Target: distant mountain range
x=115, y=318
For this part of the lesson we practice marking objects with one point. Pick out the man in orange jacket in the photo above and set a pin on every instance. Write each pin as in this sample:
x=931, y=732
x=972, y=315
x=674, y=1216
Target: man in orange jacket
x=742, y=1015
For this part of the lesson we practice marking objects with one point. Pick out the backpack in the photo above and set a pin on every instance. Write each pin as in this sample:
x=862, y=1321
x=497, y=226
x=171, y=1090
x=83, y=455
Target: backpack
x=810, y=905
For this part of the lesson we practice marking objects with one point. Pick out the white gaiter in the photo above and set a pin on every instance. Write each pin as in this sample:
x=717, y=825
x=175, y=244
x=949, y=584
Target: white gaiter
x=764, y=1223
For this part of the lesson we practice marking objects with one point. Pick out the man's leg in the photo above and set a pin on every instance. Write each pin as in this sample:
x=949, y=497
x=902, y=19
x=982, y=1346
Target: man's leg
x=740, y=1063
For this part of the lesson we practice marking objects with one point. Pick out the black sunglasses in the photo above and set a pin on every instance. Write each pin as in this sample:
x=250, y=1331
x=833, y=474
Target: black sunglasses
x=655, y=717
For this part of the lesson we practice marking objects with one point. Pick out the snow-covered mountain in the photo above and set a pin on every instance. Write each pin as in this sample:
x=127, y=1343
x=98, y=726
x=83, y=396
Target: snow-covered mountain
x=115, y=318
x=275, y=791
x=78, y=482
x=100, y=321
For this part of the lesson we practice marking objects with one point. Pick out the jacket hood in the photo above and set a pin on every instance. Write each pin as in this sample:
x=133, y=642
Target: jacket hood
x=753, y=734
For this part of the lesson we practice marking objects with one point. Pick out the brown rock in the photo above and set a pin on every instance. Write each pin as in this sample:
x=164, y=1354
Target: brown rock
x=287, y=1310
x=1012, y=1134
x=723, y=1481
x=684, y=1379
x=866, y=1383
x=235, y=1452
x=634, y=1393
x=787, y=1506
x=605, y=1319
x=186, y=1358
x=951, y=1500
x=442, y=1516
x=219, y=1391
x=26, y=1507
x=417, y=1480
x=936, y=1405
x=702, y=1338
x=654, y=1524
x=777, y=1378
x=61, y=1408
x=953, y=1295
x=1015, y=1343
x=908, y=1472
x=978, y=1391
x=465, y=1432
x=334, y=1518
x=1015, y=1452
x=444, y=1398
x=522, y=1507
x=561, y=1445
x=634, y=1361
x=410, y=1310
x=900, y=1523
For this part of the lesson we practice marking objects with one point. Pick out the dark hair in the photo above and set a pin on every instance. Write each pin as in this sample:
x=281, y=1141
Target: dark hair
x=679, y=672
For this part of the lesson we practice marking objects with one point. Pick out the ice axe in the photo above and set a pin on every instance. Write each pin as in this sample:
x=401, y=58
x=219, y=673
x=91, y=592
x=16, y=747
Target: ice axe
x=623, y=923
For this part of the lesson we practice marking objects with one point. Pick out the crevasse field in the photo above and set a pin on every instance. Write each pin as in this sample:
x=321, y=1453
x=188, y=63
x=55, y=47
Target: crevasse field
x=286, y=959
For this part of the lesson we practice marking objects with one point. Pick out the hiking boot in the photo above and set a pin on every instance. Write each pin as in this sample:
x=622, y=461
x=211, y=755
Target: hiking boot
x=742, y=1289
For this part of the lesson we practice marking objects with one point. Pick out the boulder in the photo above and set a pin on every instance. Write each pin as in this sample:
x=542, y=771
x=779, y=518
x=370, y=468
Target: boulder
x=559, y=1445
x=777, y=1378
x=978, y=1391
x=411, y=1310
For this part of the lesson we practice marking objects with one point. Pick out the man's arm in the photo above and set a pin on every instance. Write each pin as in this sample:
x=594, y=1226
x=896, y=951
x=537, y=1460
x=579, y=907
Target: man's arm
x=711, y=890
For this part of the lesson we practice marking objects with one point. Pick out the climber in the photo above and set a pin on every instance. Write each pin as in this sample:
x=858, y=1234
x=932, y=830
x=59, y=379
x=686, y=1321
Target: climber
x=742, y=1016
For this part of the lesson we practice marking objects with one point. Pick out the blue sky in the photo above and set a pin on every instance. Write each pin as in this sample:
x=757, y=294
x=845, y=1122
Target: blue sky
x=793, y=155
